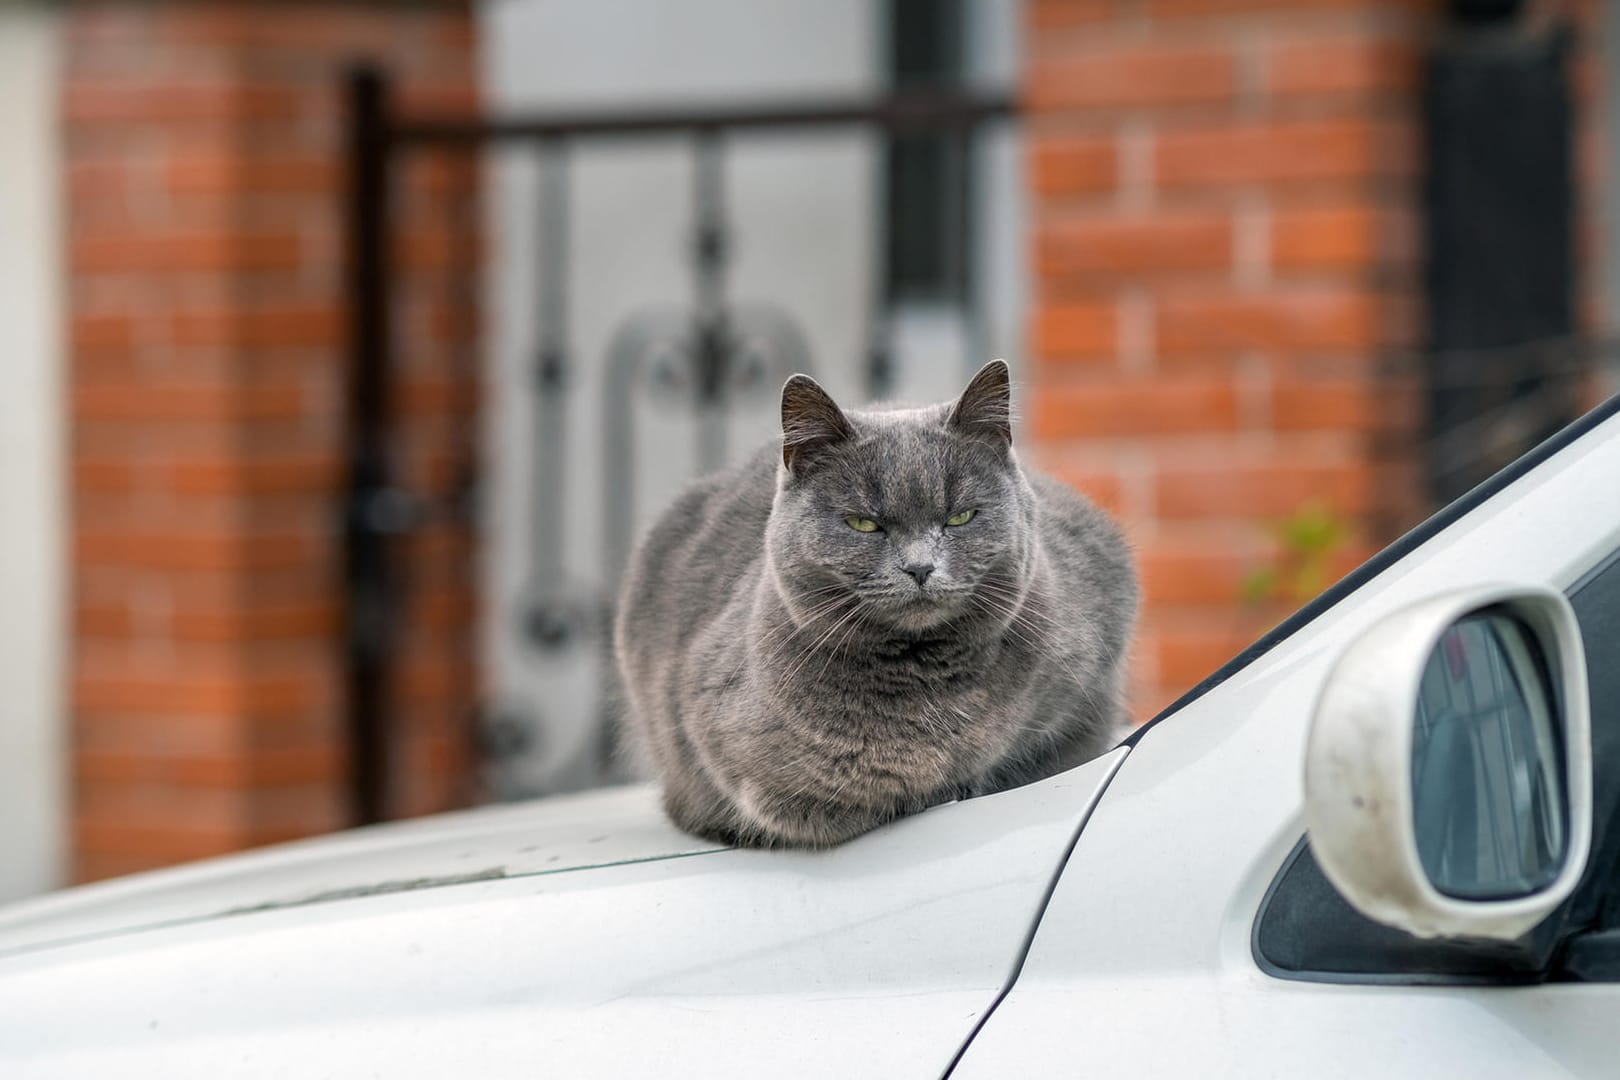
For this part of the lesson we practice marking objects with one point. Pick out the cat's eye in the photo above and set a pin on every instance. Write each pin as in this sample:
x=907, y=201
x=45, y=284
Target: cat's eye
x=860, y=524
x=961, y=517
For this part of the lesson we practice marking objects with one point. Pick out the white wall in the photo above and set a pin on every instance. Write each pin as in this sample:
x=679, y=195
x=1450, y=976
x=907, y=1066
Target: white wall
x=802, y=213
x=32, y=537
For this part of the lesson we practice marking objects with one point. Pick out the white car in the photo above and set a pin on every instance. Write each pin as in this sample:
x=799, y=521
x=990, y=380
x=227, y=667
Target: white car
x=1155, y=912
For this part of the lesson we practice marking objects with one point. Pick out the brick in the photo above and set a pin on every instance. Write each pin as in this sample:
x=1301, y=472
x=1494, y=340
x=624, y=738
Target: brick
x=290, y=812
x=300, y=764
x=457, y=35
x=1185, y=655
x=456, y=95
x=1294, y=319
x=104, y=474
x=103, y=620
x=437, y=542
x=257, y=549
x=1183, y=575
x=106, y=332
x=1050, y=15
x=315, y=31
x=1131, y=76
x=1069, y=332
x=1176, y=9
x=318, y=474
x=431, y=680
x=1101, y=486
x=156, y=401
x=97, y=866
x=1326, y=405
x=1271, y=489
x=136, y=252
x=147, y=800
x=95, y=180
x=1114, y=246
x=1098, y=409
x=1343, y=237
x=121, y=728
x=260, y=173
x=243, y=622
x=1073, y=164
x=436, y=395
x=88, y=102
x=454, y=323
x=1343, y=64
x=443, y=607
x=162, y=844
x=1278, y=152
x=229, y=695
x=288, y=326
x=441, y=181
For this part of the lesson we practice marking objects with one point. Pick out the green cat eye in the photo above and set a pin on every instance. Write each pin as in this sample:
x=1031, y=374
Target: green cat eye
x=961, y=518
x=860, y=524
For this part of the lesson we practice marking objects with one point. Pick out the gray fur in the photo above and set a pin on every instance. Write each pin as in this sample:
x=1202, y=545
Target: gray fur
x=793, y=685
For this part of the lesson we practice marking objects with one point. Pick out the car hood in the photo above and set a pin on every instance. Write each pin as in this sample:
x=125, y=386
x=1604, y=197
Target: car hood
x=602, y=828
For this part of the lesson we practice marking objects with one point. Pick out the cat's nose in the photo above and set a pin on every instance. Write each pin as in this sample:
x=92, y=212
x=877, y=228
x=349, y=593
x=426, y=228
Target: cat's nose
x=919, y=572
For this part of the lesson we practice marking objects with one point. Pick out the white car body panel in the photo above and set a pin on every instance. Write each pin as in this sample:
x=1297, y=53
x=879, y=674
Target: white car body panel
x=1152, y=974
x=874, y=959
x=597, y=829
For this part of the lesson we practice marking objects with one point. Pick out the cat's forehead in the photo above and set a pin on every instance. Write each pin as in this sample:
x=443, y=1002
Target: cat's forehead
x=906, y=462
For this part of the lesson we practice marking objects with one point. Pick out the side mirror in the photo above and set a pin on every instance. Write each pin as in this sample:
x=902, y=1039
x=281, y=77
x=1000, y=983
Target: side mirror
x=1448, y=775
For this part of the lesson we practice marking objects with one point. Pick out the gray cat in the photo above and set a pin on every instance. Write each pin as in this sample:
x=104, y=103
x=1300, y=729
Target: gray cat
x=882, y=612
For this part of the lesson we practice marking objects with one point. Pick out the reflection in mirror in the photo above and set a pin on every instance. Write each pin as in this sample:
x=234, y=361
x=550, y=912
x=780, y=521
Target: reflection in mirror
x=1488, y=789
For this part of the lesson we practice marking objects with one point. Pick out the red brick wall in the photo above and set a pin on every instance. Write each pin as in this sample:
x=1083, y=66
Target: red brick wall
x=206, y=281
x=1225, y=266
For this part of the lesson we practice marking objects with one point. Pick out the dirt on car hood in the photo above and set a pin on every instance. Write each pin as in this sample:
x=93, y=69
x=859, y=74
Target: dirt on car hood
x=601, y=828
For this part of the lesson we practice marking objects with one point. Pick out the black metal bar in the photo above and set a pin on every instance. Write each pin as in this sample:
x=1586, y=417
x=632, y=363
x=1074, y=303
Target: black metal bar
x=552, y=370
x=905, y=112
x=366, y=548
x=551, y=619
x=711, y=342
x=972, y=299
x=625, y=356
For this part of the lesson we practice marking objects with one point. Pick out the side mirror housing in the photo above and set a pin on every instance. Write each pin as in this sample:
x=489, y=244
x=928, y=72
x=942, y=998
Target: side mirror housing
x=1448, y=777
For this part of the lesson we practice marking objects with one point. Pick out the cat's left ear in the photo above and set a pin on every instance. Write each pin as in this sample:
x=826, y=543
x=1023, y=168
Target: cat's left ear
x=985, y=407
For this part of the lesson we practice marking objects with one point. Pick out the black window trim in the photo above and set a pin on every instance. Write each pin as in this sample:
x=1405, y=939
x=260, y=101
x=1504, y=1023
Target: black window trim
x=1361, y=978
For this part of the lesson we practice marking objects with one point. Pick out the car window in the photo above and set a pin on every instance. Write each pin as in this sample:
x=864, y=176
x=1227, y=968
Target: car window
x=1306, y=930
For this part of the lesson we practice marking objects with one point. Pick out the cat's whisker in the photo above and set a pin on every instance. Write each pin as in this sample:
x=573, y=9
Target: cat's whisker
x=811, y=651
x=847, y=637
x=1039, y=645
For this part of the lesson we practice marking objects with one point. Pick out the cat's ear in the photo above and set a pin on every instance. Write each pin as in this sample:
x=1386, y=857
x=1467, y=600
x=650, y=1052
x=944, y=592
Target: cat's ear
x=811, y=421
x=985, y=407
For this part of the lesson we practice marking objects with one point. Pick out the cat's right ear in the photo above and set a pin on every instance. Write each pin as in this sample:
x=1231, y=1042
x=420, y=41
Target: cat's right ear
x=811, y=422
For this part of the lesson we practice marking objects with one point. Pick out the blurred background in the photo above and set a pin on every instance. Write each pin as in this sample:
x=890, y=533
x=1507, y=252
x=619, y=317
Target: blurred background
x=348, y=346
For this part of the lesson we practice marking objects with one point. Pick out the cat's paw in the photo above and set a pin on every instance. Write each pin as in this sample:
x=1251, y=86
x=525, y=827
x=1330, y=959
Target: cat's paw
x=800, y=820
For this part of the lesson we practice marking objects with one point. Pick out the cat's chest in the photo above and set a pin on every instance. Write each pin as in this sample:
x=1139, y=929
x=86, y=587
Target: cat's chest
x=930, y=666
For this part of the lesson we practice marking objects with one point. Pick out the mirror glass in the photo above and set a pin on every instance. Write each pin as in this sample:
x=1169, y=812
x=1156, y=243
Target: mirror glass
x=1488, y=763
